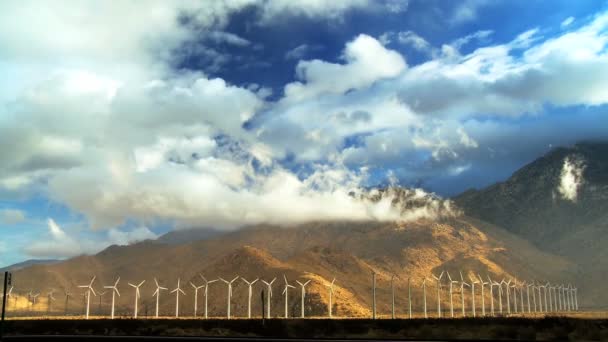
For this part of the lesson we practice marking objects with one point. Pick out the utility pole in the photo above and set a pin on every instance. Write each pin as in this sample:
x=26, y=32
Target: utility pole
x=7, y=282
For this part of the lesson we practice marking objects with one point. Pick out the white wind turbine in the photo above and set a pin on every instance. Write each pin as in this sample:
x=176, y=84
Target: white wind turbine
x=569, y=297
x=177, y=291
x=548, y=288
x=499, y=294
x=157, y=295
x=303, y=286
x=9, y=294
x=114, y=289
x=373, y=295
x=451, y=302
x=508, y=284
x=67, y=297
x=438, y=279
x=528, y=295
x=269, y=286
x=560, y=290
x=462, y=285
x=207, y=282
x=393, y=297
x=521, y=296
x=229, y=299
x=483, y=300
x=34, y=296
x=575, y=290
x=409, y=297
x=250, y=293
x=424, y=296
x=533, y=283
x=196, y=288
x=137, y=296
x=285, y=292
x=473, y=282
x=514, y=287
x=330, y=288
x=89, y=290
x=545, y=295
x=491, y=283
x=50, y=299
x=540, y=298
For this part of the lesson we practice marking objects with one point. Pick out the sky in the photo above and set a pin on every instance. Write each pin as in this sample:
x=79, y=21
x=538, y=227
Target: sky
x=120, y=121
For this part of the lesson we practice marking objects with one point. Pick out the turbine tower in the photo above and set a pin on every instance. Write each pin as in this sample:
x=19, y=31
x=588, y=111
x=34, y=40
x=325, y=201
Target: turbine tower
x=177, y=291
x=473, y=282
x=67, y=297
x=196, y=288
x=424, y=296
x=548, y=288
x=373, y=295
x=269, y=286
x=229, y=283
x=514, y=287
x=462, y=285
x=483, y=300
x=114, y=289
x=137, y=295
x=528, y=295
x=249, y=294
x=438, y=292
x=451, y=285
x=508, y=284
x=330, y=288
x=157, y=295
x=491, y=283
x=100, y=299
x=409, y=296
x=50, y=300
x=285, y=292
x=89, y=290
x=393, y=297
x=207, y=282
x=521, y=296
x=545, y=295
x=303, y=286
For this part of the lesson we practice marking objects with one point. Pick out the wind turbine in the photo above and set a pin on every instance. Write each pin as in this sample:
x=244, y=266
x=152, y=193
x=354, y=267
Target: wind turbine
x=424, y=296
x=473, y=282
x=508, y=284
x=548, y=288
x=177, y=291
x=269, y=286
x=528, y=295
x=285, y=290
x=409, y=296
x=575, y=290
x=499, y=294
x=330, y=287
x=545, y=295
x=540, y=299
x=250, y=284
x=229, y=283
x=491, y=283
x=114, y=289
x=196, y=288
x=483, y=300
x=157, y=295
x=207, y=282
x=462, y=285
x=560, y=290
x=89, y=290
x=67, y=297
x=303, y=286
x=137, y=295
x=521, y=296
x=373, y=295
x=438, y=292
x=514, y=296
x=9, y=294
x=50, y=299
x=34, y=296
x=393, y=297
x=100, y=298
x=451, y=302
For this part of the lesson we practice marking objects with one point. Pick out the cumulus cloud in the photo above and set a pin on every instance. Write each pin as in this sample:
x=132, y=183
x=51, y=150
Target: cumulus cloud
x=571, y=178
x=11, y=216
x=301, y=51
x=60, y=244
x=366, y=62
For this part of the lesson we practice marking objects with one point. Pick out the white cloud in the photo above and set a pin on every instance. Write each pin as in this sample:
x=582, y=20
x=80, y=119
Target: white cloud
x=60, y=244
x=301, y=51
x=271, y=10
x=227, y=37
x=466, y=11
x=567, y=22
x=366, y=62
x=11, y=216
x=571, y=178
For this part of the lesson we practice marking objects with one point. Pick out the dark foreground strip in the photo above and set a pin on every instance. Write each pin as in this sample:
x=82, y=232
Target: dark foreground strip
x=96, y=338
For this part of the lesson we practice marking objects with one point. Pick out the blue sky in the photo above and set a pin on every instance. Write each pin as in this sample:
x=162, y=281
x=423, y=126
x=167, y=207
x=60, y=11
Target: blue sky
x=117, y=127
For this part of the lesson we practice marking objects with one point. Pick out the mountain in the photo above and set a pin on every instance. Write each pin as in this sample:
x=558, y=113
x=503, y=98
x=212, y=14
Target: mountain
x=316, y=251
x=27, y=263
x=558, y=202
x=177, y=237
